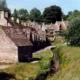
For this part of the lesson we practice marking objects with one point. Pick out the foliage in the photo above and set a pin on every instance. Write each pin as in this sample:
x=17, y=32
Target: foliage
x=35, y=15
x=74, y=14
x=3, y=4
x=52, y=14
x=71, y=15
x=73, y=33
x=69, y=63
x=29, y=71
x=15, y=15
x=23, y=14
x=65, y=17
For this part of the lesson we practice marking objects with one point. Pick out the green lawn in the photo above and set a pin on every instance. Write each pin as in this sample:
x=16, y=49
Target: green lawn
x=24, y=71
x=58, y=40
x=69, y=58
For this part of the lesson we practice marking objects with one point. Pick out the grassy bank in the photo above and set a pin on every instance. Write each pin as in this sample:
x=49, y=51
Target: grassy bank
x=23, y=71
x=69, y=58
x=57, y=40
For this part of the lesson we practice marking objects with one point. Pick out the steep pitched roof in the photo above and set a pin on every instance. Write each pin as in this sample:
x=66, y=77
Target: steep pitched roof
x=16, y=35
x=36, y=26
x=66, y=23
x=63, y=24
x=51, y=26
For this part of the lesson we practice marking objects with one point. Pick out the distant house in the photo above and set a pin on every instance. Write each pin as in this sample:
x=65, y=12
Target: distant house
x=39, y=36
x=54, y=29
x=14, y=45
x=61, y=25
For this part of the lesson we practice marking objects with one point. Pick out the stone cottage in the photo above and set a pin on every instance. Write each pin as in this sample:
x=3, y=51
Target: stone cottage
x=60, y=26
x=54, y=29
x=14, y=45
x=40, y=36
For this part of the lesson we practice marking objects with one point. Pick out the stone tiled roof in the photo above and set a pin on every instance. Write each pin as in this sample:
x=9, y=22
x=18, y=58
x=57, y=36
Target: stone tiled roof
x=42, y=35
x=16, y=34
x=36, y=26
x=63, y=24
x=66, y=23
x=51, y=27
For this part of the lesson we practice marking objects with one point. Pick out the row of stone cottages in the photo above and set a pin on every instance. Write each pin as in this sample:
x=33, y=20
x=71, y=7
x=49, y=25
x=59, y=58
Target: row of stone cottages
x=17, y=41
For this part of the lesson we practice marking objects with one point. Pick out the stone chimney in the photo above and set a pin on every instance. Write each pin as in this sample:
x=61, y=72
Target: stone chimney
x=24, y=24
x=43, y=24
x=12, y=18
x=6, y=14
x=2, y=14
x=51, y=24
x=18, y=21
x=62, y=20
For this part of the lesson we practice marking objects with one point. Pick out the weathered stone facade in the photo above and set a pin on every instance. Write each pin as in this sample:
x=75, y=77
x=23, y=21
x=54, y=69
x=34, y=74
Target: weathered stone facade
x=18, y=40
x=15, y=46
x=8, y=50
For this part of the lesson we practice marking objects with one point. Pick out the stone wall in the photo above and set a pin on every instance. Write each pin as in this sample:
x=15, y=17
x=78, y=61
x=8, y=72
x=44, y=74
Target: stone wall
x=8, y=50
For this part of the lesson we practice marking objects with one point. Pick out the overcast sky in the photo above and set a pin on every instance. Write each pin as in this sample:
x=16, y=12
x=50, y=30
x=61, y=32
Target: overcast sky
x=66, y=5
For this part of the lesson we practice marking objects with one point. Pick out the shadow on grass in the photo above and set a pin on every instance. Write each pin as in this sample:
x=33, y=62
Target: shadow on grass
x=42, y=76
x=5, y=76
x=34, y=59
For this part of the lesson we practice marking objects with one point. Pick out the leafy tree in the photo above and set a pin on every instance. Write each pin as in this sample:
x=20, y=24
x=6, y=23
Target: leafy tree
x=35, y=15
x=15, y=14
x=52, y=14
x=23, y=14
x=72, y=15
x=73, y=33
x=65, y=17
x=3, y=4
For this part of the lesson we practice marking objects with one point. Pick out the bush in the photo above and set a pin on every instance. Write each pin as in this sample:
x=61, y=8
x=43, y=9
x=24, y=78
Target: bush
x=31, y=78
x=73, y=33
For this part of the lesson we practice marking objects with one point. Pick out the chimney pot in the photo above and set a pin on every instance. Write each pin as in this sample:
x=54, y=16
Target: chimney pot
x=17, y=21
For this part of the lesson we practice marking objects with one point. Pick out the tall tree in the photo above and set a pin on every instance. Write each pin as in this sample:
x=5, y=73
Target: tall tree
x=23, y=14
x=73, y=14
x=35, y=15
x=3, y=4
x=73, y=33
x=15, y=14
x=52, y=14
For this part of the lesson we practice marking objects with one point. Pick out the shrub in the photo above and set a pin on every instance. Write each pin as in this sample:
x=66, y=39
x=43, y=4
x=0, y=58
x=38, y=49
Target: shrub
x=73, y=33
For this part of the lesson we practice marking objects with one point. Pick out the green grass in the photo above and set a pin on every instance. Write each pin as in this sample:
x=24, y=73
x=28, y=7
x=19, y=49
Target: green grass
x=58, y=40
x=24, y=71
x=69, y=58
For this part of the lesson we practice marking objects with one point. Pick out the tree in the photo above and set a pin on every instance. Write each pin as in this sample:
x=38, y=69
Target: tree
x=35, y=15
x=23, y=14
x=52, y=14
x=72, y=15
x=15, y=15
x=65, y=17
x=73, y=33
x=3, y=4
